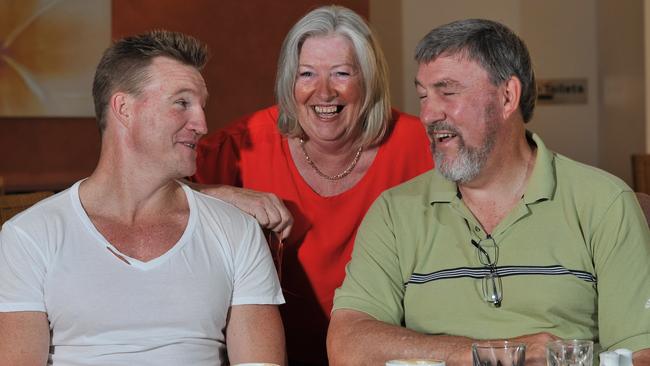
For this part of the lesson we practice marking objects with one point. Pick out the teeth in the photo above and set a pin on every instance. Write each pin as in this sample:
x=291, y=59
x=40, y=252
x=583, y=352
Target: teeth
x=325, y=109
x=191, y=146
x=444, y=135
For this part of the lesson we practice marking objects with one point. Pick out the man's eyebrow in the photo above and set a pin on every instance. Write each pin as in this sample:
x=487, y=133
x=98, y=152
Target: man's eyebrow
x=190, y=91
x=187, y=90
x=445, y=83
x=183, y=90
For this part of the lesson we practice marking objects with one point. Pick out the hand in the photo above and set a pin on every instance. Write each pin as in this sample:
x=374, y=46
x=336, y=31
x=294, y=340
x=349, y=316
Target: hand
x=266, y=208
x=535, y=347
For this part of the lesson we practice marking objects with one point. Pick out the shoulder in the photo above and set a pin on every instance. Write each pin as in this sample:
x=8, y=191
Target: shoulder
x=594, y=195
x=416, y=186
x=410, y=194
x=49, y=210
x=575, y=186
x=570, y=176
x=221, y=219
x=43, y=227
x=214, y=208
x=583, y=179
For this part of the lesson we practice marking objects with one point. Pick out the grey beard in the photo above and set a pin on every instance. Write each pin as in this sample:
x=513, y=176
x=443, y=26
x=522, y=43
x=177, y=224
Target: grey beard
x=467, y=165
x=470, y=161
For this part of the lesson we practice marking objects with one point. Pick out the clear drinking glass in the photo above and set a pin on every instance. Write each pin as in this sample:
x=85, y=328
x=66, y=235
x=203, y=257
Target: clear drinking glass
x=572, y=352
x=415, y=361
x=498, y=353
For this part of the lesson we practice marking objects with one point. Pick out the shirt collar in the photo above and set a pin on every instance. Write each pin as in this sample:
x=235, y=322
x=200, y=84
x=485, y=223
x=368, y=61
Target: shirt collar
x=542, y=183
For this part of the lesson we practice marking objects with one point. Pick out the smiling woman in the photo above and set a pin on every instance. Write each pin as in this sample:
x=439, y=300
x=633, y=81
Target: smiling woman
x=328, y=93
x=309, y=168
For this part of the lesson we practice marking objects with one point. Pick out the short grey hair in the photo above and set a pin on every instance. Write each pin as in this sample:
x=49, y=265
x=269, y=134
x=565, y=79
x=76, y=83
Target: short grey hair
x=493, y=45
x=124, y=65
x=375, y=113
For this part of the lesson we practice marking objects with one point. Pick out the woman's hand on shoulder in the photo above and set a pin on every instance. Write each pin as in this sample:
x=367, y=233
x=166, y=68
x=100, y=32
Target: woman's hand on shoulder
x=266, y=208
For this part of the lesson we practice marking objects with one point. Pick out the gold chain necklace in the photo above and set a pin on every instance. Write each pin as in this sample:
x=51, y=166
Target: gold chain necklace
x=341, y=175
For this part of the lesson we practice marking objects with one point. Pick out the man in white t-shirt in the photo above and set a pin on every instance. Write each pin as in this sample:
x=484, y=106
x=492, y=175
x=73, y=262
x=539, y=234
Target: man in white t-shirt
x=130, y=266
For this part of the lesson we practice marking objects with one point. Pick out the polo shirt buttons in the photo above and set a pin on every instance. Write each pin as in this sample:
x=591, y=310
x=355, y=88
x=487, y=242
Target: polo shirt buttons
x=477, y=229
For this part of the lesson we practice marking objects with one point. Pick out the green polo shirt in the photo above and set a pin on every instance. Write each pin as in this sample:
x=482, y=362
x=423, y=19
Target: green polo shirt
x=573, y=259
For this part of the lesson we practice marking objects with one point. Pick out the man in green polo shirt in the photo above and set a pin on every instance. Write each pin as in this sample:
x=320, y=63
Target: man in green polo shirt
x=504, y=240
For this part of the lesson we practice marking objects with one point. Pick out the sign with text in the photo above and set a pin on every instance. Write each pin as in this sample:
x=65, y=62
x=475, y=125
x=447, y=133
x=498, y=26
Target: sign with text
x=562, y=91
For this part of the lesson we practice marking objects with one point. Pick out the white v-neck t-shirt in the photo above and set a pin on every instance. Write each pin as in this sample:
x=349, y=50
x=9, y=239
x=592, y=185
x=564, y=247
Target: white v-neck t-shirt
x=103, y=311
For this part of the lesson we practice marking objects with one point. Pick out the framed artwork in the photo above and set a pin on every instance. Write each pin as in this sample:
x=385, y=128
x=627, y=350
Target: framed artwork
x=48, y=53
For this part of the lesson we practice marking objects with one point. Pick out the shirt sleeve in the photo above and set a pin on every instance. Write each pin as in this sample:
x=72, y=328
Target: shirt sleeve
x=621, y=244
x=373, y=282
x=255, y=281
x=22, y=271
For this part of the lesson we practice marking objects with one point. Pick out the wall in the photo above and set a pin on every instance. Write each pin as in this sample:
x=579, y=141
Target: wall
x=37, y=153
x=563, y=43
x=600, y=40
x=622, y=96
x=245, y=39
x=646, y=43
x=387, y=23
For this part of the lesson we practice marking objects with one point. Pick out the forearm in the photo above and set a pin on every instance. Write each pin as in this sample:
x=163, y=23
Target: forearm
x=265, y=207
x=642, y=357
x=362, y=340
x=24, y=338
x=255, y=334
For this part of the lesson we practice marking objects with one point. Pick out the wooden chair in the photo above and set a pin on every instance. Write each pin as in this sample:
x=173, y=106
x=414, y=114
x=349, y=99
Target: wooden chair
x=644, y=200
x=11, y=204
x=641, y=172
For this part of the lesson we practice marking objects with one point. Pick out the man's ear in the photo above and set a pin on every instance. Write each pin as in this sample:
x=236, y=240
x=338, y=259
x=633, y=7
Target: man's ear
x=511, y=94
x=121, y=105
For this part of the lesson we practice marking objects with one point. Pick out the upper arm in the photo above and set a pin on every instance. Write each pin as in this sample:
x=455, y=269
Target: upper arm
x=24, y=327
x=622, y=256
x=23, y=262
x=24, y=338
x=642, y=357
x=343, y=323
x=373, y=282
x=255, y=279
x=255, y=334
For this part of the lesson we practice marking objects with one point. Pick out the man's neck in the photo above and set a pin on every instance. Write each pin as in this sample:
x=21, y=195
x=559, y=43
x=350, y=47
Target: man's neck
x=127, y=193
x=501, y=183
x=142, y=215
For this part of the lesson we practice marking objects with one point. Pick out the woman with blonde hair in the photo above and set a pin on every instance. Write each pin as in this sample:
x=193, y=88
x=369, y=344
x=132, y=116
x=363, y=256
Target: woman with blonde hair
x=309, y=168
